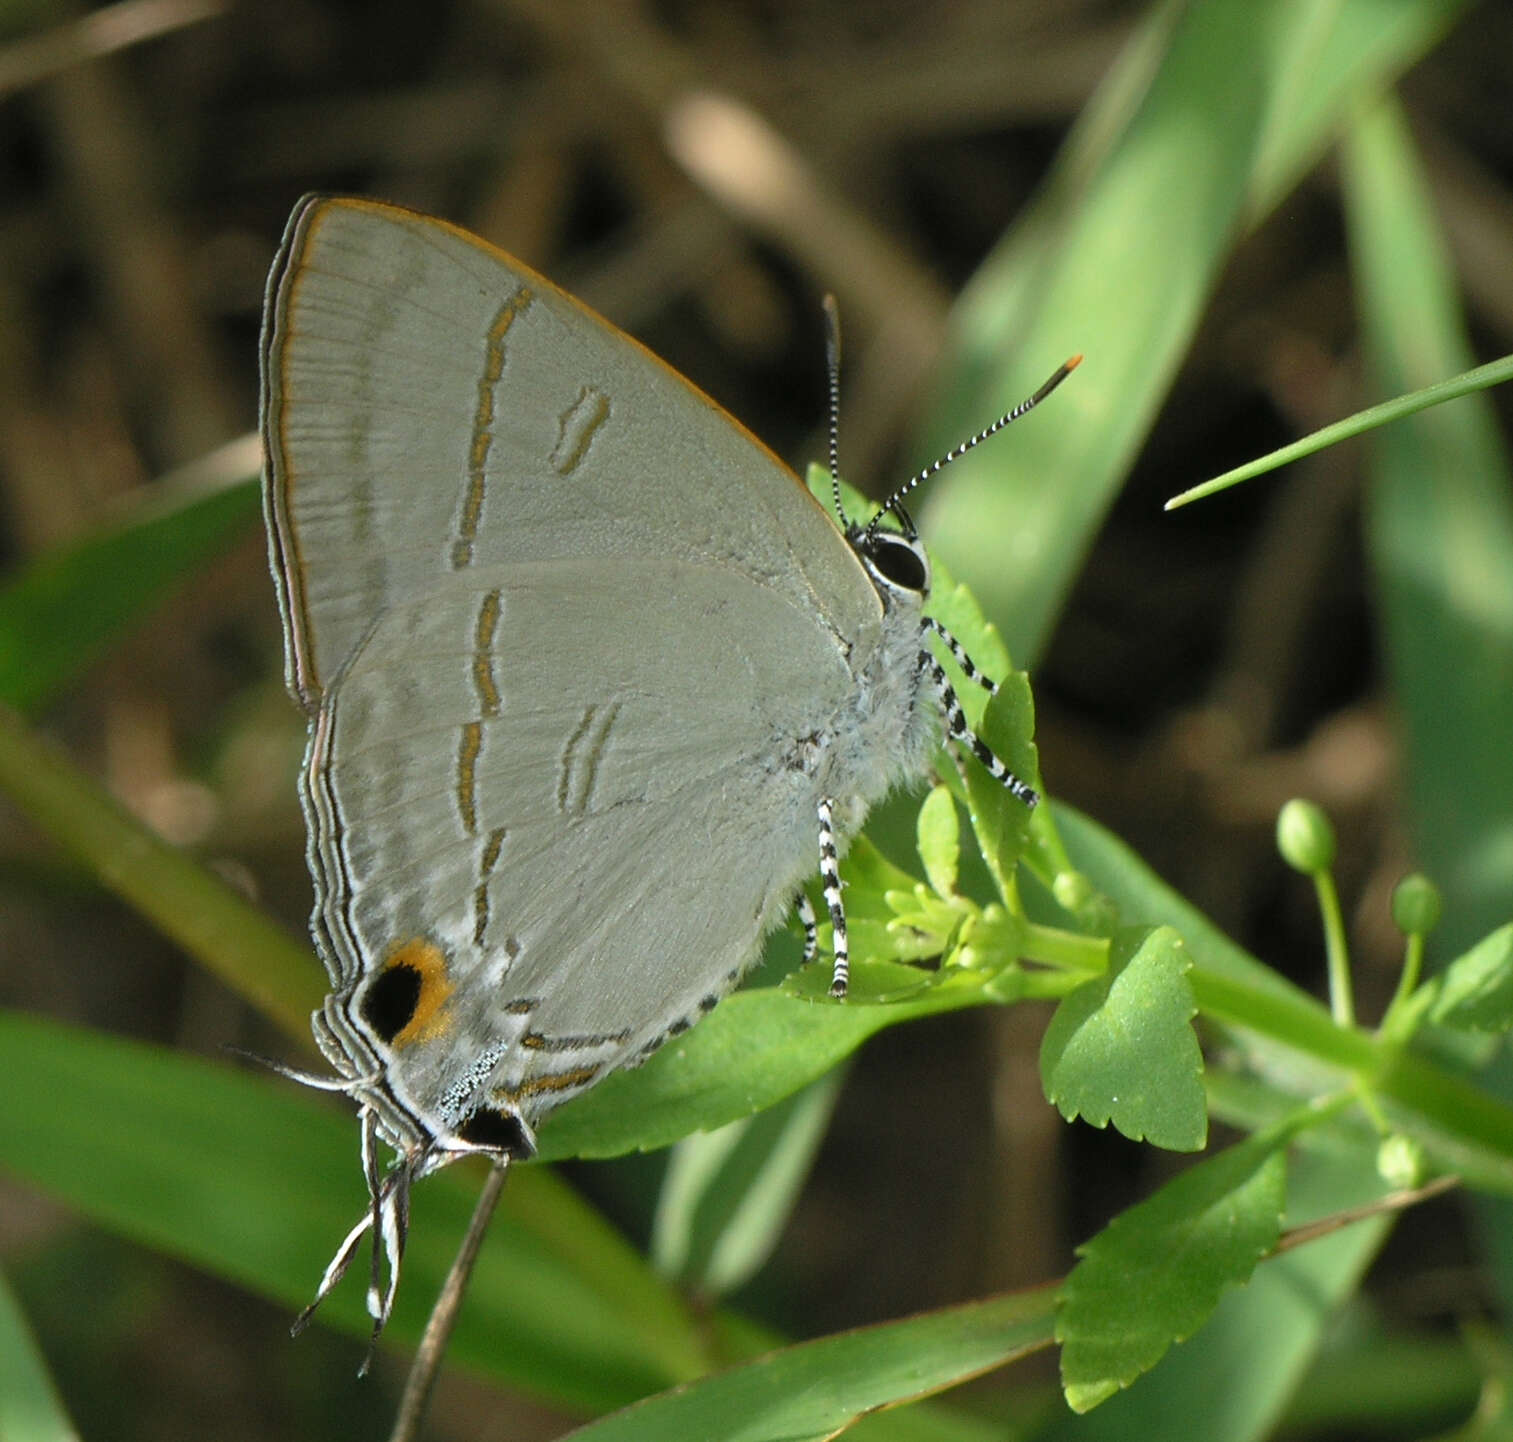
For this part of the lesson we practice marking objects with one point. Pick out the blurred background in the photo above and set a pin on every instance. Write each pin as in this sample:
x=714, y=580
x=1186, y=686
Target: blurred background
x=701, y=174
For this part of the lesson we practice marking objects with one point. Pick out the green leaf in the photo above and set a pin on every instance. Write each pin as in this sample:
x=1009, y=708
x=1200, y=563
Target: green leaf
x=939, y=835
x=1476, y=990
x=812, y=1392
x=1439, y=535
x=258, y=1180
x=1121, y=1047
x=66, y=608
x=1480, y=378
x=1233, y=1380
x=754, y=1049
x=1155, y=1274
x=30, y=1407
x=728, y=1194
x=1000, y=820
x=1208, y=117
x=873, y=983
x=1380, y=1377
x=1290, y=1036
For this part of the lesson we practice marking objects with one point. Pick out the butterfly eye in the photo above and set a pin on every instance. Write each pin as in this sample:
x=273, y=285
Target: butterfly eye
x=898, y=561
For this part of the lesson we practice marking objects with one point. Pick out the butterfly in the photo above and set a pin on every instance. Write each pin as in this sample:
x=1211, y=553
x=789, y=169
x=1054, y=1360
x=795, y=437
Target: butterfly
x=593, y=684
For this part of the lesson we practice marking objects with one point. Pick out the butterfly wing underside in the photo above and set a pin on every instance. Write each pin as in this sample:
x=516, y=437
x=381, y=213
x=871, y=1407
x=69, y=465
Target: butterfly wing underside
x=563, y=629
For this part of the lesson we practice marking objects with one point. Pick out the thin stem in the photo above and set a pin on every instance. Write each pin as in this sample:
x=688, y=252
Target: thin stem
x=1372, y=1107
x=1413, y=962
x=433, y=1344
x=1066, y=950
x=1392, y=1202
x=1337, y=952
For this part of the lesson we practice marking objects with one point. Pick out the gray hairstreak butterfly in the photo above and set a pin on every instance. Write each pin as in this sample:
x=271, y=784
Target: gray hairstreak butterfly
x=593, y=684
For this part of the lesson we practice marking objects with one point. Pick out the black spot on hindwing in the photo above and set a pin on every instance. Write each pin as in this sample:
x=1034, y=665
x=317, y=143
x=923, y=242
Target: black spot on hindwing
x=498, y=1131
x=390, y=1000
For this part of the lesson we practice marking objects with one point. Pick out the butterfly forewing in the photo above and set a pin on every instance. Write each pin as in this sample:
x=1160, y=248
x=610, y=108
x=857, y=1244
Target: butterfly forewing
x=432, y=404
x=565, y=629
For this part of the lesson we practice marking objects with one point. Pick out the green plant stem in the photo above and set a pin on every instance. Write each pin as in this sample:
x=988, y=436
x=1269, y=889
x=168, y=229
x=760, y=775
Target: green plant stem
x=1374, y=1113
x=1336, y=951
x=1482, y=378
x=1312, y=1113
x=1427, y=1101
x=1413, y=961
x=184, y=899
x=1066, y=950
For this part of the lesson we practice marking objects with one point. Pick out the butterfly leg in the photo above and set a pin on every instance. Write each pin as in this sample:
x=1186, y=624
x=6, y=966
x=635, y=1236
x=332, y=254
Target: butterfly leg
x=959, y=655
x=957, y=728
x=805, y=909
x=830, y=881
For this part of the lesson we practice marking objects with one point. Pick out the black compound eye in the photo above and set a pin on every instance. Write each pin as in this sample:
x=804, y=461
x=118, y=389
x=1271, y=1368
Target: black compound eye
x=900, y=563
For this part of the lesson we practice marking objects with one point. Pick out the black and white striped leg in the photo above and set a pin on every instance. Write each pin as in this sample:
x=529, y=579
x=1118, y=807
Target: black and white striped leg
x=959, y=655
x=830, y=880
x=805, y=909
x=958, y=730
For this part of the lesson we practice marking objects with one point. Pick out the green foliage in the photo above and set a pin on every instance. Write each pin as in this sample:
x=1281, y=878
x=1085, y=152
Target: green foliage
x=1476, y=990
x=1121, y=1047
x=68, y=607
x=254, y=1180
x=1156, y=1273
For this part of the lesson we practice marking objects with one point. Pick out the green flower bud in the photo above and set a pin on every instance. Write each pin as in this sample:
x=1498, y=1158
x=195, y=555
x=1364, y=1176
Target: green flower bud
x=1400, y=1162
x=1305, y=837
x=1072, y=890
x=1416, y=905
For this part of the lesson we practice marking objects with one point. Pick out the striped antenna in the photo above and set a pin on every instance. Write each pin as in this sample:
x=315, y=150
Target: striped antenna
x=833, y=367
x=893, y=502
